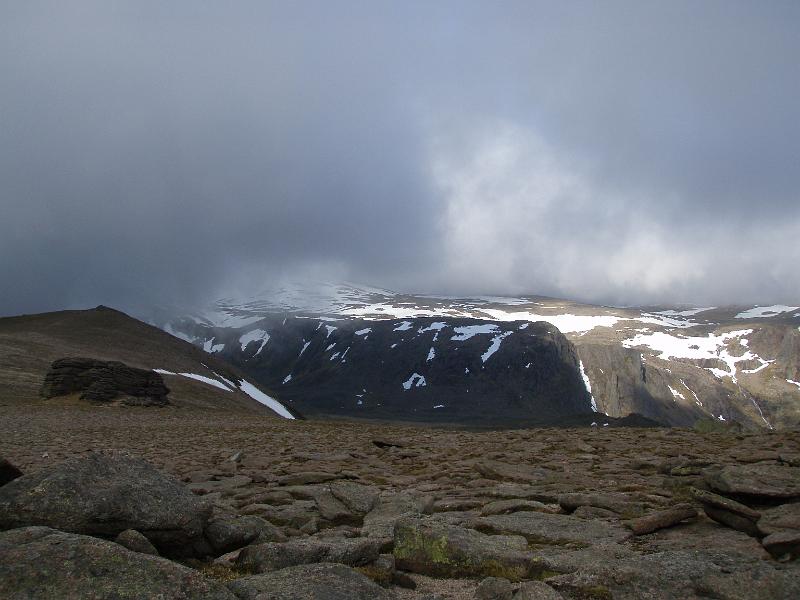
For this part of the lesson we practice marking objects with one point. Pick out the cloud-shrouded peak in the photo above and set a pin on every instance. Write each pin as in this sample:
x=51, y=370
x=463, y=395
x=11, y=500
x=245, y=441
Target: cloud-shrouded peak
x=621, y=152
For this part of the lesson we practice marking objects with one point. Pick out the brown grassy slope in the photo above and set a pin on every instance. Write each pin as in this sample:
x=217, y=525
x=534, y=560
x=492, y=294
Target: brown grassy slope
x=30, y=343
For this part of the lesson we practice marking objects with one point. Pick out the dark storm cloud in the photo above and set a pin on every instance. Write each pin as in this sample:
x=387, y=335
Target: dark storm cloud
x=627, y=152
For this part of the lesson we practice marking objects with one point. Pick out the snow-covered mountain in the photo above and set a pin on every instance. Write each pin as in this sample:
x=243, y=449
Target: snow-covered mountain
x=354, y=350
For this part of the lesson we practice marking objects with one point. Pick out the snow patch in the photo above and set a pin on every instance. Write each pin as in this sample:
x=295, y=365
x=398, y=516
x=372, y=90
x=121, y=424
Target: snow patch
x=431, y=354
x=586, y=382
x=287, y=379
x=765, y=311
x=695, y=347
x=259, y=396
x=416, y=380
x=495, y=345
x=254, y=336
x=210, y=347
x=468, y=331
x=404, y=326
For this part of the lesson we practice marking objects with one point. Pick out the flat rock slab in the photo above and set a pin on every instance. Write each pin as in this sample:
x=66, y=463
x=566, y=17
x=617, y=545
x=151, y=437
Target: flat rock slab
x=680, y=574
x=310, y=582
x=543, y=528
x=501, y=471
x=104, y=495
x=617, y=503
x=757, y=481
x=220, y=485
x=309, y=477
x=39, y=562
x=430, y=547
x=502, y=507
x=260, y=558
x=780, y=518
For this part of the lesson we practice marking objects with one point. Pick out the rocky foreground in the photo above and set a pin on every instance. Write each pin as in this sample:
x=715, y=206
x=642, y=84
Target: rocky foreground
x=142, y=503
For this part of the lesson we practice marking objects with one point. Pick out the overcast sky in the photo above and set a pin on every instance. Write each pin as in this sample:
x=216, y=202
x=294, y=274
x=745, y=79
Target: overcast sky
x=618, y=152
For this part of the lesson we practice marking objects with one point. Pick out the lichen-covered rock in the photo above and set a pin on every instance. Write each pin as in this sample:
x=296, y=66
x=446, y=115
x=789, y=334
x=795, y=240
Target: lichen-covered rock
x=102, y=381
x=310, y=582
x=104, y=495
x=39, y=562
x=430, y=547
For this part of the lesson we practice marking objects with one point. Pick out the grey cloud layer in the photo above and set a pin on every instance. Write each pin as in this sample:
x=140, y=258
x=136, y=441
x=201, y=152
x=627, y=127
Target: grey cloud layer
x=625, y=152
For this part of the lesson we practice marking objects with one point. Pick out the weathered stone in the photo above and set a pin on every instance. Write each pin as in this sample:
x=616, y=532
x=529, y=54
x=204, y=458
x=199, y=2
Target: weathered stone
x=502, y=507
x=728, y=512
x=8, y=472
x=308, y=477
x=661, y=519
x=39, y=562
x=494, y=588
x=780, y=518
x=543, y=528
x=310, y=582
x=379, y=522
x=229, y=532
x=679, y=574
x=430, y=547
x=536, y=590
x=136, y=542
x=295, y=515
x=757, y=481
x=783, y=544
x=360, y=499
x=104, y=495
x=103, y=381
x=492, y=469
x=618, y=503
x=220, y=485
x=273, y=556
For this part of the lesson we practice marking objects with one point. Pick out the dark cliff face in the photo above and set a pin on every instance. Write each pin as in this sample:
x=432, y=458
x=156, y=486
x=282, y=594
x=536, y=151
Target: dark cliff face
x=422, y=369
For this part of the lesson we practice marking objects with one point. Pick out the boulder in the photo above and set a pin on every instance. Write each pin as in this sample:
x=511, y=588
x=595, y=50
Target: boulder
x=430, y=547
x=661, y=519
x=536, y=590
x=39, y=562
x=229, y=532
x=680, y=574
x=780, y=518
x=783, y=545
x=618, y=503
x=136, y=542
x=756, y=481
x=728, y=512
x=379, y=522
x=8, y=472
x=502, y=507
x=103, y=495
x=494, y=588
x=310, y=582
x=273, y=556
x=102, y=381
x=358, y=498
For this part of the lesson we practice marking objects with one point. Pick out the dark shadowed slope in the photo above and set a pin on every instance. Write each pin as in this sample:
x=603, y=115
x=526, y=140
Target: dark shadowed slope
x=30, y=343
